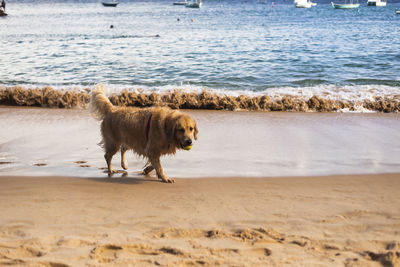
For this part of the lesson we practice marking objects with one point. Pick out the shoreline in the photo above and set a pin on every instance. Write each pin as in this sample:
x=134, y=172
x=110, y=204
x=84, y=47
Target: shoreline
x=351, y=220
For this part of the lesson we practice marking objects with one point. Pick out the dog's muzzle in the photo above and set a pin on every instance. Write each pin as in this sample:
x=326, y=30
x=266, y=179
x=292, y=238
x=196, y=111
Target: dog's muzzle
x=187, y=144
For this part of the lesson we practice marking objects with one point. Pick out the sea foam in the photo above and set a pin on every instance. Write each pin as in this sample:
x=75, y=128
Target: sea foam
x=324, y=98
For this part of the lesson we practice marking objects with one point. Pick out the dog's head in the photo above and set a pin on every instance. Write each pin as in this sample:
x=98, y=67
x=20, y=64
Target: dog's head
x=181, y=130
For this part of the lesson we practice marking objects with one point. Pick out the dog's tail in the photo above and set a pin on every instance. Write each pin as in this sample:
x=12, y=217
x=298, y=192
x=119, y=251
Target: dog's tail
x=99, y=105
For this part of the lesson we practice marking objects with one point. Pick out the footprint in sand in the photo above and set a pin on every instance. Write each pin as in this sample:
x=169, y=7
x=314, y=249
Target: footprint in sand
x=258, y=251
x=40, y=164
x=84, y=166
x=80, y=162
x=74, y=243
x=110, y=252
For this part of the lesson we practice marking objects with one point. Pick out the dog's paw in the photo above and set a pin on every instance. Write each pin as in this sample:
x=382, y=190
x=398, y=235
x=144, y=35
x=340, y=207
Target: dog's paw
x=167, y=180
x=111, y=172
x=124, y=165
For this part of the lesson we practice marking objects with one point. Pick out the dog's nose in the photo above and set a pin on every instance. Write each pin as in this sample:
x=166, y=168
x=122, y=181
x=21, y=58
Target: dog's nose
x=188, y=142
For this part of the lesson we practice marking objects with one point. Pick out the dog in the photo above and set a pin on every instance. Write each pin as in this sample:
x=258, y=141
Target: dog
x=150, y=132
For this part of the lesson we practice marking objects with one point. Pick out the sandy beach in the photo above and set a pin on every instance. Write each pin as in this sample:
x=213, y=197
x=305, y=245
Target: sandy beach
x=313, y=221
x=257, y=189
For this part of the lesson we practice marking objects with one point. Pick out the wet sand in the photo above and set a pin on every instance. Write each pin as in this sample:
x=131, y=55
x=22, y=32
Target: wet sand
x=63, y=142
x=318, y=221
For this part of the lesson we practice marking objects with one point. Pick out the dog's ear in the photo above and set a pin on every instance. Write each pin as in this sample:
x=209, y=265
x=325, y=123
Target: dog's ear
x=196, y=132
x=170, y=128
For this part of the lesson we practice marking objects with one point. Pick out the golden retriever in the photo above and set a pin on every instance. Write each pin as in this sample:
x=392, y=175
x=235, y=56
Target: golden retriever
x=149, y=132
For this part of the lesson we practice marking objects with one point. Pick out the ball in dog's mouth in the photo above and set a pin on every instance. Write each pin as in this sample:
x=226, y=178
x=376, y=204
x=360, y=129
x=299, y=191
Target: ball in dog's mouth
x=187, y=147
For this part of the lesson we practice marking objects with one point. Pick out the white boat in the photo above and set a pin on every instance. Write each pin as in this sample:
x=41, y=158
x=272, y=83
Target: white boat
x=376, y=3
x=194, y=4
x=2, y=12
x=398, y=12
x=179, y=3
x=303, y=3
x=345, y=5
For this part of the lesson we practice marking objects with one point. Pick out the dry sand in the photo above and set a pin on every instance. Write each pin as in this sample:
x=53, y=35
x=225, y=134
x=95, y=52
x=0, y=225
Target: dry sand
x=310, y=221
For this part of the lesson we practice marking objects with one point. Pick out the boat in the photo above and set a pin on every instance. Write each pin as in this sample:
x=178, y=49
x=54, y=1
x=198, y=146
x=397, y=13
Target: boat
x=376, y=3
x=194, y=4
x=398, y=12
x=179, y=3
x=110, y=4
x=302, y=3
x=2, y=12
x=349, y=5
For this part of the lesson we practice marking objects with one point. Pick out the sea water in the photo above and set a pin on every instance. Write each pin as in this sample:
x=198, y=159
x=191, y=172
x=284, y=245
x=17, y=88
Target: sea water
x=225, y=46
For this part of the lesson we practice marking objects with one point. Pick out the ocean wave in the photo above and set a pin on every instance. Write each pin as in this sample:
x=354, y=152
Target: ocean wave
x=306, y=99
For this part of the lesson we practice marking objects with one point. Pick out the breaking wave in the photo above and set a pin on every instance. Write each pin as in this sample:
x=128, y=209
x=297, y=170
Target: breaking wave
x=326, y=98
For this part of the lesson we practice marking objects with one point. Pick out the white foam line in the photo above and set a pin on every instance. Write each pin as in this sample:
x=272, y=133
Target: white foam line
x=330, y=92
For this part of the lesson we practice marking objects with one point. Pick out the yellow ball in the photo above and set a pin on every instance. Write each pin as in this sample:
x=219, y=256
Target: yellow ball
x=187, y=147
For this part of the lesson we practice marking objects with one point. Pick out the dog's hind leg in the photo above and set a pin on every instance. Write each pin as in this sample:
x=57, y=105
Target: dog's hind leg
x=148, y=169
x=155, y=162
x=124, y=165
x=111, y=149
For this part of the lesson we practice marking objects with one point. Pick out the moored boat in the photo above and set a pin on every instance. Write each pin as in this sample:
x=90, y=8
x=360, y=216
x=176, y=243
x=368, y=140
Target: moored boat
x=376, y=3
x=179, y=3
x=194, y=4
x=345, y=5
x=302, y=3
x=110, y=4
x=2, y=12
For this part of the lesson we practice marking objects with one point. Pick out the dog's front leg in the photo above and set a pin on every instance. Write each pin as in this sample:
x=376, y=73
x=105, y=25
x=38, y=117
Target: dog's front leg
x=155, y=162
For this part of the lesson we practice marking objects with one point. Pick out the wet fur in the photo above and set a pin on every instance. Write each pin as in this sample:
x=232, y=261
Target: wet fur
x=125, y=128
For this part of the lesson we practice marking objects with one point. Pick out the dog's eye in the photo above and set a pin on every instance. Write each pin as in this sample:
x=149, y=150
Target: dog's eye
x=191, y=128
x=181, y=130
